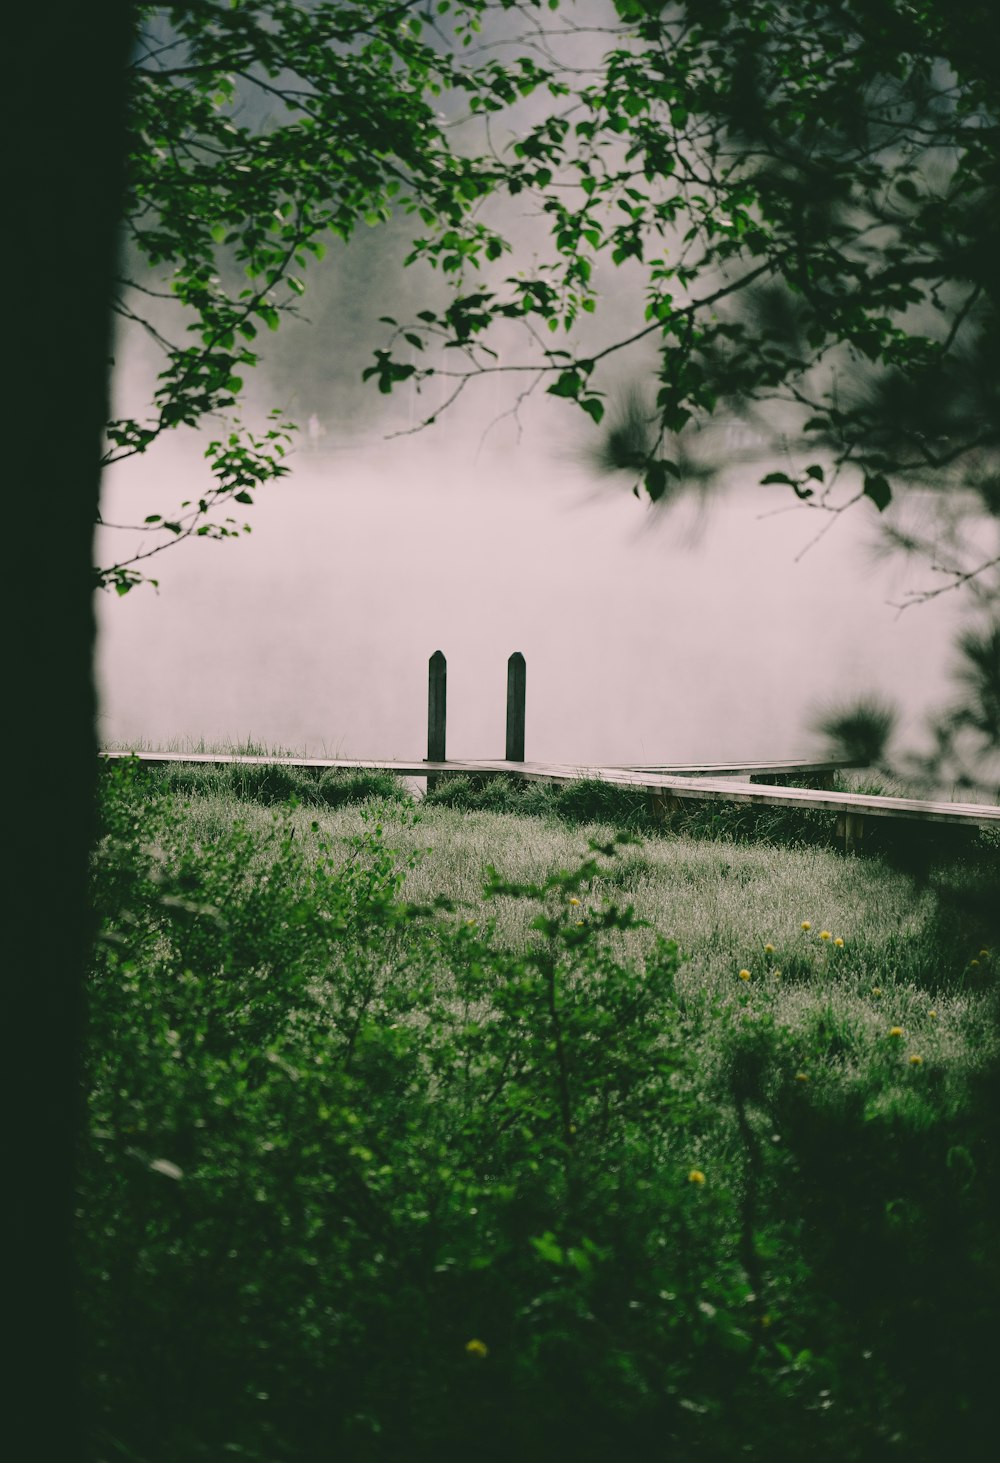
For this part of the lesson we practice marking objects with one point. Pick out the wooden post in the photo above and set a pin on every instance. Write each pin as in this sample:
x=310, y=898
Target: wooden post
x=662, y=803
x=516, y=678
x=437, y=709
x=851, y=828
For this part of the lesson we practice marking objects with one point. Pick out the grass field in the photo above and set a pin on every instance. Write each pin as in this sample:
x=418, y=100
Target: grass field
x=670, y=1145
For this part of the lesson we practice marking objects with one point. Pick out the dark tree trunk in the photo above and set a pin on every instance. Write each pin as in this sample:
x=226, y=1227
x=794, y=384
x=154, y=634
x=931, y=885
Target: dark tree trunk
x=64, y=144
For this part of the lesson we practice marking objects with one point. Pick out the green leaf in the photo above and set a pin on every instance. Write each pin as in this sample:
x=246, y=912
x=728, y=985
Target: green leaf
x=546, y=1247
x=567, y=384
x=878, y=490
x=655, y=481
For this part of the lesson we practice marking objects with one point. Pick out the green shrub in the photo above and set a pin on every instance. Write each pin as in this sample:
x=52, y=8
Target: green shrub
x=361, y=1182
x=340, y=786
x=887, y=1193
x=493, y=794
x=593, y=801
x=334, y=1139
x=270, y=783
x=267, y=783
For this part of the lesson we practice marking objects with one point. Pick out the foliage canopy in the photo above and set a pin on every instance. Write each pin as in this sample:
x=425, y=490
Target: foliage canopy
x=806, y=194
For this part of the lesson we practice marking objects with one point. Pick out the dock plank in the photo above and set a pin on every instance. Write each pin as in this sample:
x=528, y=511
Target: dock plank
x=682, y=786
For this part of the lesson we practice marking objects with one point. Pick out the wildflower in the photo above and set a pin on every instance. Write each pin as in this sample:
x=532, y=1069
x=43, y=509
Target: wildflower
x=696, y=1176
x=580, y=924
x=477, y=1348
x=824, y=934
x=776, y=974
x=744, y=975
x=932, y=1014
x=915, y=1061
x=839, y=943
x=984, y=953
x=973, y=962
x=802, y=1077
x=895, y=1031
x=876, y=990
x=573, y=899
x=768, y=949
x=807, y=924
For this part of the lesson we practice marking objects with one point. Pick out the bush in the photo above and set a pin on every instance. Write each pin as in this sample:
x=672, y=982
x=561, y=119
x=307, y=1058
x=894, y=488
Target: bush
x=267, y=783
x=494, y=795
x=360, y=1182
x=593, y=801
x=340, y=786
x=341, y=1148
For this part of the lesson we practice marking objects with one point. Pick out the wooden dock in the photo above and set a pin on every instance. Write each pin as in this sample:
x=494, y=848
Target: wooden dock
x=669, y=787
x=668, y=791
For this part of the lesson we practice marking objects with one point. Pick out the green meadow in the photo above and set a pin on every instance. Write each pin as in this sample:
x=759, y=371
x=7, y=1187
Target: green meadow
x=508, y=1124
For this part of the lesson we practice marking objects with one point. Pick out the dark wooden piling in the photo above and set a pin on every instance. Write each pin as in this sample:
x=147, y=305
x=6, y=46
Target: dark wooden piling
x=437, y=710
x=516, y=680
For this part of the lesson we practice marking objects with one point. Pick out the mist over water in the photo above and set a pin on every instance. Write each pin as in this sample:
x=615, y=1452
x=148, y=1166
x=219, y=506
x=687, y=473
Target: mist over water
x=648, y=637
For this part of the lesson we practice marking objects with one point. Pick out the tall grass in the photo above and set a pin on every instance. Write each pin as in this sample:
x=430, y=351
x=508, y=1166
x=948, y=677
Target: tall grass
x=618, y=1156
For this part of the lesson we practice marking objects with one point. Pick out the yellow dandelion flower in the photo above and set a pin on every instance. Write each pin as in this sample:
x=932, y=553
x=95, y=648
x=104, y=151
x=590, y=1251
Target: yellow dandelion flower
x=895, y=1031
x=807, y=924
x=973, y=962
x=696, y=1176
x=768, y=949
x=573, y=899
x=580, y=923
x=802, y=1077
x=839, y=943
x=915, y=1061
x=876, y=990
x=744, y=975
x=984, y=953
x=825, y=935
x=776, y=974
x=475, y=1347
x=932, y=1014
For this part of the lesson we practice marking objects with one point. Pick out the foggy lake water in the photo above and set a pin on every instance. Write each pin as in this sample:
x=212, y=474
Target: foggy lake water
x=673, y=636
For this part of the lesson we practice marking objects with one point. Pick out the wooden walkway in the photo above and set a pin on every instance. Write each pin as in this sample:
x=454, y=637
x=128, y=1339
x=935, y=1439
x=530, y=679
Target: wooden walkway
x=668, y=788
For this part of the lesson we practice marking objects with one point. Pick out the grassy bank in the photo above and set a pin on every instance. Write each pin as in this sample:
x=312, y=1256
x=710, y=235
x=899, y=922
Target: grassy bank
x=685, y=1148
